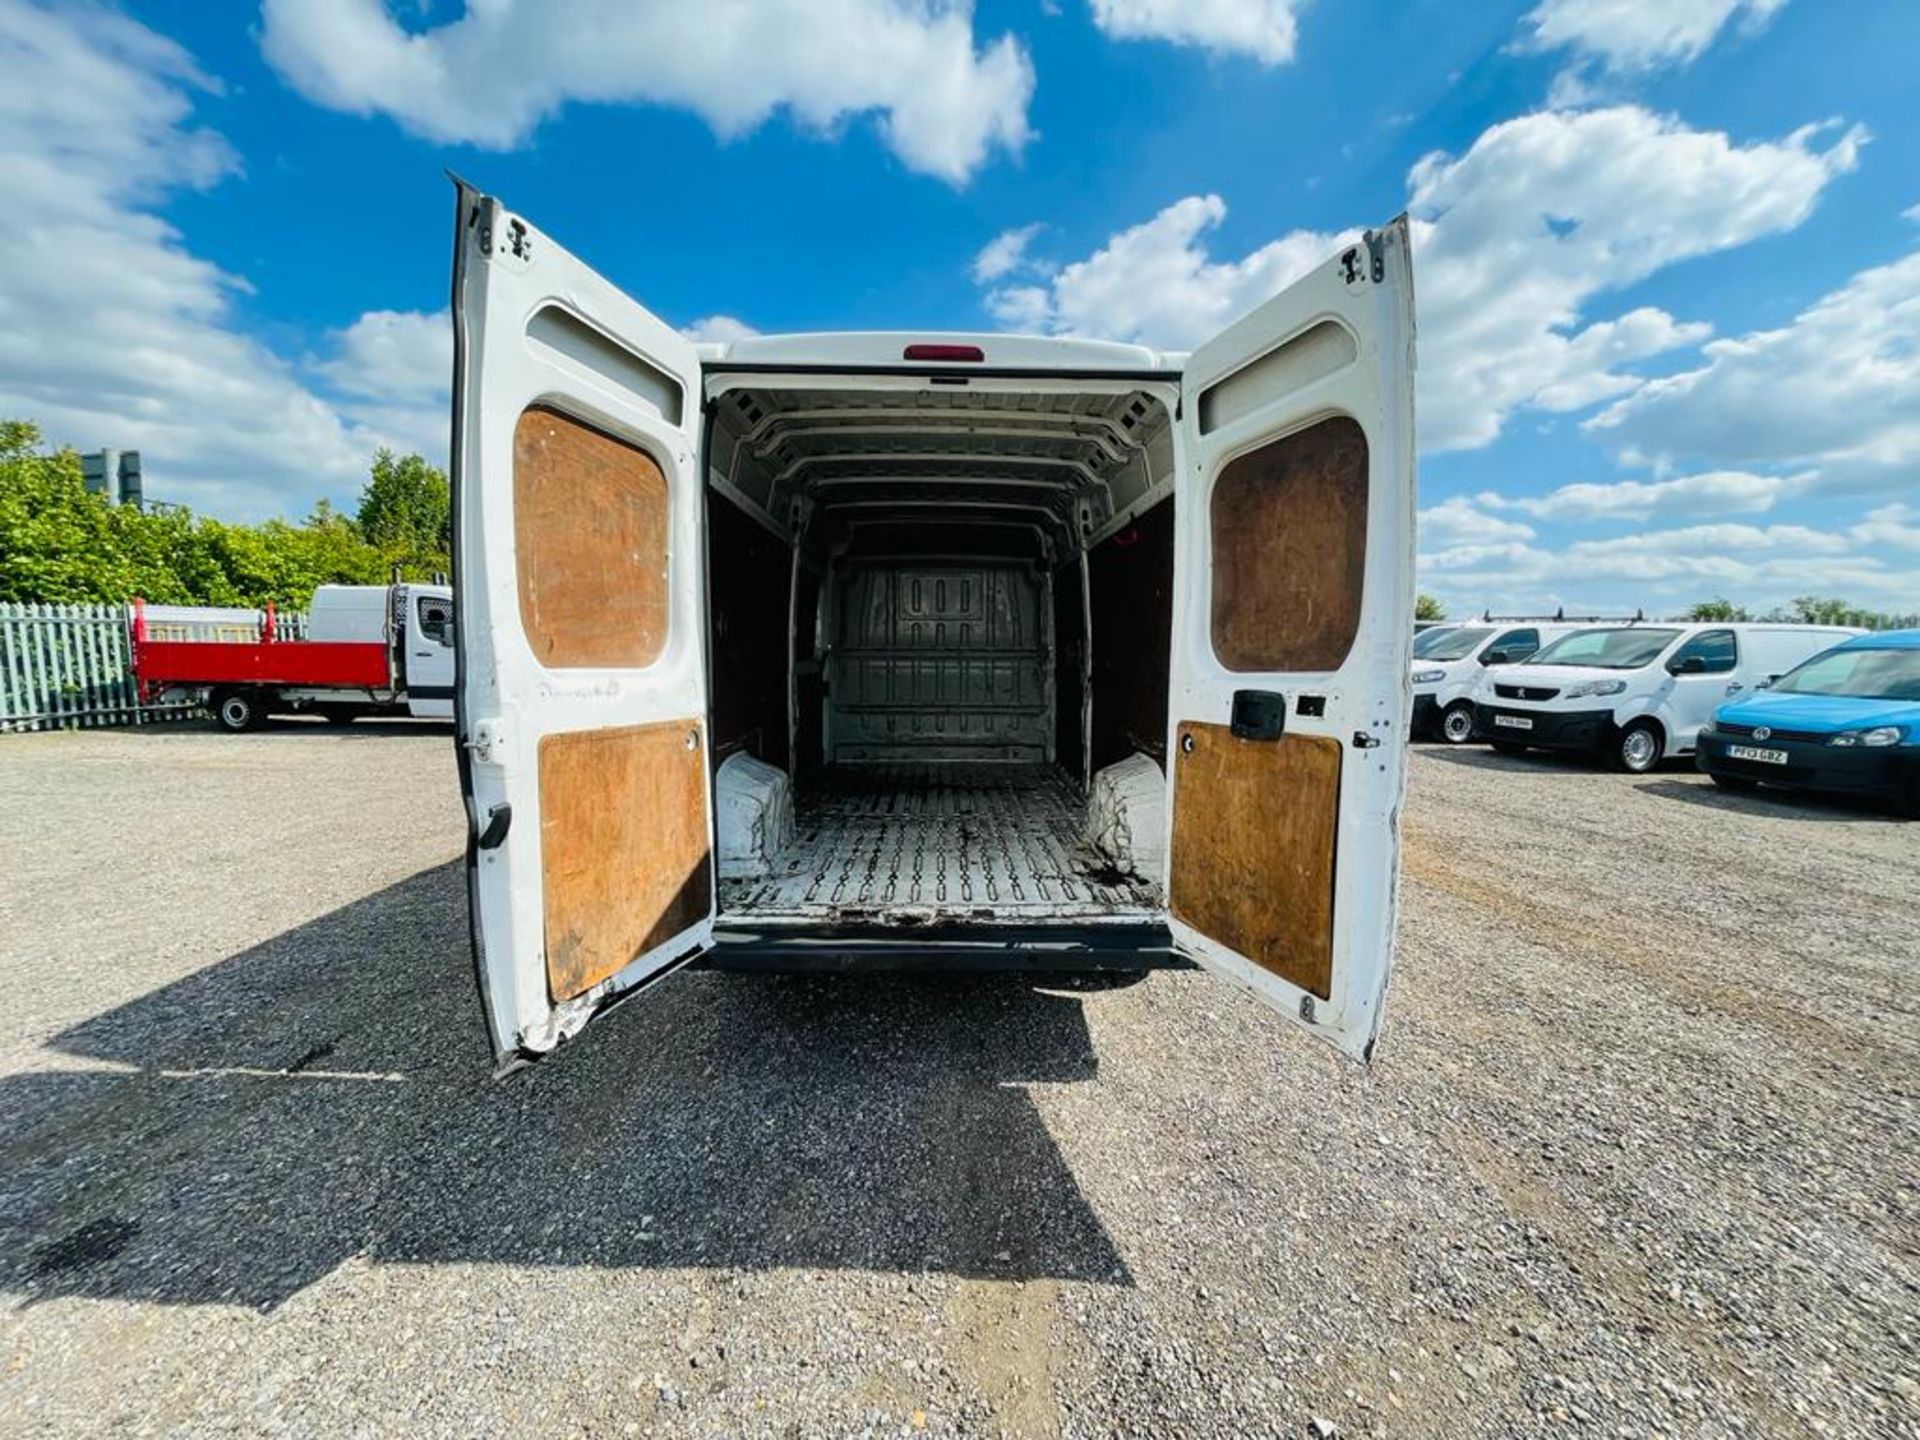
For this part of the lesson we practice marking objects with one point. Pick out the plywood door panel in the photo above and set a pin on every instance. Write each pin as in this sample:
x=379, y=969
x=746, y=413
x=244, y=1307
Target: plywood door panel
x=1289, y=524
x=590, y=544
x=625, y=864
x=1254, y=829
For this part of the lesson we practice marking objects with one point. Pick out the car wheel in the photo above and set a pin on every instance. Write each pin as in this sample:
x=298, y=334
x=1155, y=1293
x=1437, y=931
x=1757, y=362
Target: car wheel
x=1638, y=749
x=1739, y=784
x=236, y=711
x=1456, y=723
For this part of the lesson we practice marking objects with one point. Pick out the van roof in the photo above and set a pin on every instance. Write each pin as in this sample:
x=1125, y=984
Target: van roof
x=868, y=349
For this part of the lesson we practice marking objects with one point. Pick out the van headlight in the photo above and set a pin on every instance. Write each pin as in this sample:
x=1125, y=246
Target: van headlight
x=1594, y=687
x=1428, y=677
x=1877, y=738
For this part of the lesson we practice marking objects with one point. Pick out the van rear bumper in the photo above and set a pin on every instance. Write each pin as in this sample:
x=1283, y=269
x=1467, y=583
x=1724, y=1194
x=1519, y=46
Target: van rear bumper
x=1548, y=729
x=1020, y=948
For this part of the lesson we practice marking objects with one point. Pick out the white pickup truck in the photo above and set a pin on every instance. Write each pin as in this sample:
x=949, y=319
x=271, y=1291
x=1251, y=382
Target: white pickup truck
x=983, y=649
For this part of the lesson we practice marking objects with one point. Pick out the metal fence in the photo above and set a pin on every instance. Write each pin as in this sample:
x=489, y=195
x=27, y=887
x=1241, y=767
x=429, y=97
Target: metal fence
x=65, y=666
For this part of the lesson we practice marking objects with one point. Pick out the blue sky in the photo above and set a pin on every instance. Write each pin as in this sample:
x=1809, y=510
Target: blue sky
x=1667, y=254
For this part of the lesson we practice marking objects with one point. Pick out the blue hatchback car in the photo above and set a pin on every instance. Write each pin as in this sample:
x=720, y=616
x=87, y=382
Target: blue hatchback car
x=1846, y=720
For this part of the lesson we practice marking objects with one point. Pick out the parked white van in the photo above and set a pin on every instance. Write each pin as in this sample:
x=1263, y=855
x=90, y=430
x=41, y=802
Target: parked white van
x=992, y=649
x=1449, y=666
x=1637, y=694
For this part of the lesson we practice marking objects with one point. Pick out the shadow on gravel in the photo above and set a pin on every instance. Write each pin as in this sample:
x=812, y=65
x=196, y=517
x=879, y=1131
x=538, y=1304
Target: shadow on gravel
x=325, y=1095
x=1783, y=804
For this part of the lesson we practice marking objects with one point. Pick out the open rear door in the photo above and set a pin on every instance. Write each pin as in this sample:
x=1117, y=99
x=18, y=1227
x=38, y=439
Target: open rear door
x=581, y=693
x=1292, y=621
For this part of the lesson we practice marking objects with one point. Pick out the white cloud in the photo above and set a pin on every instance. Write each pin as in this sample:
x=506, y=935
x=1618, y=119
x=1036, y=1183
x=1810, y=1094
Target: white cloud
x=722, y=329
x=1839, y=388
x=1665, y=570
x=490, y=77
x=394, y=355
x=1004, y=254
x=1263, y=29
x=1631, y=35
x=1514, y=241
x=1896, y=526
x=1156, y=282
x=112, y=332
x=1545, y=214
x=1714, y=492
x=1458, y=521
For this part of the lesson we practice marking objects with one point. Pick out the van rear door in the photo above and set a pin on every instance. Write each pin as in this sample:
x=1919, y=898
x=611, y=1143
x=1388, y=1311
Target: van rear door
x=1292, y=627
x=581, y=689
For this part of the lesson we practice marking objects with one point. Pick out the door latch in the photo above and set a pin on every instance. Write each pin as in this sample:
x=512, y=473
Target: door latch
x=488, y=741
x=1363, y=741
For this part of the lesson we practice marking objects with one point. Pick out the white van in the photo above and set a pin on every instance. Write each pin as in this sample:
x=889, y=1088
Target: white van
x=928, y=620
x=1449, y=666
x=1637, y=694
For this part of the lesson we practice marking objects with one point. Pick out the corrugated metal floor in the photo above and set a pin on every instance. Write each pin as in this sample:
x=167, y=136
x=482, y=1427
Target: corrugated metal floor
x=945, y=842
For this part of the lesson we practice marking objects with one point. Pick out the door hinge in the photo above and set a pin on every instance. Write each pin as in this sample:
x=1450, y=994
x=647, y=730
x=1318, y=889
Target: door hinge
x=1353, y=269
x=1377, y=254
x=1363, y=741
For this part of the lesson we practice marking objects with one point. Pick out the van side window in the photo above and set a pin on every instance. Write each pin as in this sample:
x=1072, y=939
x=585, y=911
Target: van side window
x=1518, y=644
x=435, y=617
x=1718, y=649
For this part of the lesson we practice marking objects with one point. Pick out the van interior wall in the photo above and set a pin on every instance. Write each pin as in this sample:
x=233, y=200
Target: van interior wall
x=1130, y=579
x=1070, y=657
x=749, y=577
x=809, y=670
x=940, y=658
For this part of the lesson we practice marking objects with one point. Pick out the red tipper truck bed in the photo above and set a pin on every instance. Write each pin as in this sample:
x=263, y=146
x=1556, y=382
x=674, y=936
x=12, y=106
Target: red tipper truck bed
x=358, y=665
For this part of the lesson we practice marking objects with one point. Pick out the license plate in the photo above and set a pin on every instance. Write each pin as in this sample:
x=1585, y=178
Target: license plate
x=1521, y=722
x=1754, y=752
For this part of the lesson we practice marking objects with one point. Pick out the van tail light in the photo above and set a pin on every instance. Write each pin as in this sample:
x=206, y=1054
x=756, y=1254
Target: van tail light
x=943, y=352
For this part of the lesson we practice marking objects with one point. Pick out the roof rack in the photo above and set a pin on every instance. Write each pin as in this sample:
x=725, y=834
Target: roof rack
x=1561, y=617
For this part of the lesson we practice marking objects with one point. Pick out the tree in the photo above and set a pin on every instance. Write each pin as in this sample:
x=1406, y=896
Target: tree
x=57, y=541
x=1720, y=609
x=1828, y=610
x=61, y=544
x=404, y=512
x=1425, y=607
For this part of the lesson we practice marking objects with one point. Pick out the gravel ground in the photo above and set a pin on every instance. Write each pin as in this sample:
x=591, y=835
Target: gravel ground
x=1638, y=1155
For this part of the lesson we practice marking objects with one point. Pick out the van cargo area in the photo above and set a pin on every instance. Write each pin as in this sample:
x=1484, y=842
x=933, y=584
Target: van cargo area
x=939, y=653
